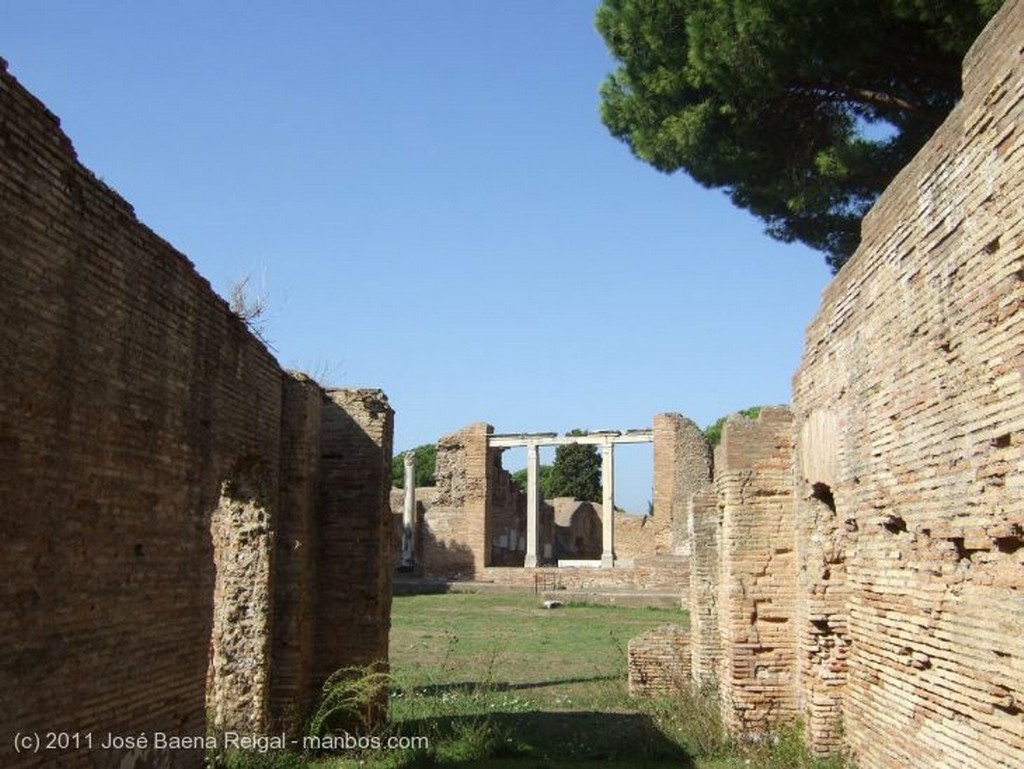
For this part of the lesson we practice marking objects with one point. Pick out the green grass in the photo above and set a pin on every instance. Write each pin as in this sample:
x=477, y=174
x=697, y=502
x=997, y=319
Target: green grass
x=495, y=680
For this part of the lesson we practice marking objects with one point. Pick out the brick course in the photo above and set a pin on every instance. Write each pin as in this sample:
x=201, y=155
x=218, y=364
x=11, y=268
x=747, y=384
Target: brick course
x=659, y=662
x=910, y=416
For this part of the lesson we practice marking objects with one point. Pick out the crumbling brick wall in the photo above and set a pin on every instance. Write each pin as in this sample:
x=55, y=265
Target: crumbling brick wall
x=682, y=466
x=452, y=543
x=476, y=507
x=659, y=662
x=152, y=454
x=909, y=411
x=757, y=580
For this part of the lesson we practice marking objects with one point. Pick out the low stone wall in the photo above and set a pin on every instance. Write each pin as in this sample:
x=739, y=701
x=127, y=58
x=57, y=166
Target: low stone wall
x=584, y=579
x=659, y=662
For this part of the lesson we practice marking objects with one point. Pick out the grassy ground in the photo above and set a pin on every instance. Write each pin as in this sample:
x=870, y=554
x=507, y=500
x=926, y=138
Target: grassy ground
x=495, y=680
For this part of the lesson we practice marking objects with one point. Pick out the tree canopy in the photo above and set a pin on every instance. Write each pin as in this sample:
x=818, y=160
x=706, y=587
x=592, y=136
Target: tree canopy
x=576, y=471
x=801, y=110
x=713, y=432
x=423, y=466
x=543, y=480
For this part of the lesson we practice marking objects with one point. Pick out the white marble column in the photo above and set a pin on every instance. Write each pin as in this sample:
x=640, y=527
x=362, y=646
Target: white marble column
x=608, y=504
x=409, y=511
x=532, y=503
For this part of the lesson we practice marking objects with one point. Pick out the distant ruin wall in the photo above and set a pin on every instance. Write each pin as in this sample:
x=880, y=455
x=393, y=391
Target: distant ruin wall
x=477, y=517
x=148, y=459
x=682, y=466
x=909, y=413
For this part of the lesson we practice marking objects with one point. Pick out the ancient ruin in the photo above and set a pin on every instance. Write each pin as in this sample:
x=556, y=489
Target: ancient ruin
x=186, y=526
x=858, y=561
x=476, y=523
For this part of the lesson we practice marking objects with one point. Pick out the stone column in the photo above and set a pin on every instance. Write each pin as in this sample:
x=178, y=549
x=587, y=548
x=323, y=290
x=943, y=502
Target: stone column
x=532, y=503
x=608, y=504
x=409, y=511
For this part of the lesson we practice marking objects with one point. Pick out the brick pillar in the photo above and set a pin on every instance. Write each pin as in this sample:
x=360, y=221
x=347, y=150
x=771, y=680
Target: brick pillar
x=705, y=566
x=754, y=480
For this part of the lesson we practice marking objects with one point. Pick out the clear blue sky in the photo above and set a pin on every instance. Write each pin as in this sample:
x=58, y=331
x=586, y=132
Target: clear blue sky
x=430, y=199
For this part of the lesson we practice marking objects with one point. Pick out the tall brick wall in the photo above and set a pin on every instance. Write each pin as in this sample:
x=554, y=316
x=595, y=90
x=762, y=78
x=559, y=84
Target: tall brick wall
x=144, y=435
x=910, y=416
x=682, y=466
x=353, y=561
x=293, y=682
x=757, y=575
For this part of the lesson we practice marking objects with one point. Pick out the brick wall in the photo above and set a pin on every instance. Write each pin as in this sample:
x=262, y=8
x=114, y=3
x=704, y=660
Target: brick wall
x=757, y=576
x=682, y=466
x=910, y=416
x=453, y=544
x=659, y=662
x=476, y=507
x=145, y=441
x=353, y=556
x=293, y=684
x=705, y=585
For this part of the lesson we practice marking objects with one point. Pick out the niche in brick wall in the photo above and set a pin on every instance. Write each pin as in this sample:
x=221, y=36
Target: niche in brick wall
x=242, y=539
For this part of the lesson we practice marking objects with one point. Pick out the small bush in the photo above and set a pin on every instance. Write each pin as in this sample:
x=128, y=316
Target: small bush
x=353, y=700
x=693, y=719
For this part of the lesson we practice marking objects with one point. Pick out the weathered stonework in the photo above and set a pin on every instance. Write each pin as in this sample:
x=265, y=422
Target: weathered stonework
x=909, y=413
x=705, y=563
x=682, y=466
x=757, y=587
x=894, y=632
x=162, y=484
x=453, y=530
x=659, y=662
x=475, y=525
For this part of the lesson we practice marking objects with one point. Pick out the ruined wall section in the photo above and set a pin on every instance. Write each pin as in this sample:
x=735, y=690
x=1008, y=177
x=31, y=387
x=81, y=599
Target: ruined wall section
x=141, y=448
x=910, y=410
x=353, y=563
x=478, y=516
x=682, y=466
x=507, y=517
x=452, y=545
x=240, y=645
x=659, y=662
x=757, y=579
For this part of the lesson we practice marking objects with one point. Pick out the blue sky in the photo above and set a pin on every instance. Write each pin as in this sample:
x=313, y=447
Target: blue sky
x=426, y=195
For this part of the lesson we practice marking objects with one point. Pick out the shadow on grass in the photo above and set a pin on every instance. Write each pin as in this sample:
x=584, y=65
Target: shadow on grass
x=468, y=687
x=544, y=738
